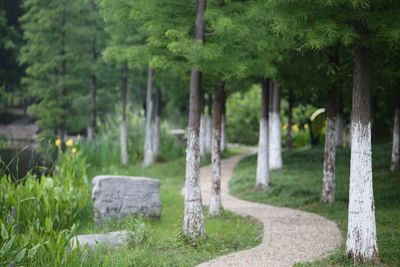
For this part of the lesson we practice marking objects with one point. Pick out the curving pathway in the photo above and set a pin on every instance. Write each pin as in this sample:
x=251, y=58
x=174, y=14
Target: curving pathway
x=289, y=235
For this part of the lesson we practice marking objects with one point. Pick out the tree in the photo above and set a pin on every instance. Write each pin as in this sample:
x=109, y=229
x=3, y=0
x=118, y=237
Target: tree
x=157, y=122
x=275, y=147
x=53, y=32
x=262, y=179
x=215, y=198
x=395, y=164
x=148, y=147
x=361, y=24
x=124, y=134
x=193, y=225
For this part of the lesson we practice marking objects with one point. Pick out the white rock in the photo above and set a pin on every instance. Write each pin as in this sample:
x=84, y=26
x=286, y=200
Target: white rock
x=112, y=239
x=119, y=196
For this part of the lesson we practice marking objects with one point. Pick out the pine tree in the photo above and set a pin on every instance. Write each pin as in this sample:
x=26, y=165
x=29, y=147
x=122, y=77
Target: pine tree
x=52, y=52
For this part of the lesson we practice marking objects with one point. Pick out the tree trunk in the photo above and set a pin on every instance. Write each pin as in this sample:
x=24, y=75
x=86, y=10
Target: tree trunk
x=395, y=165
x=262, y=179
x=339, y=122
x=275, y=155
x=124, y=136
x=329, y=176
x=361, y=244
x=215, y=199
x=157, y=122
x=224, y=140
x=202, y=128
x=193, y=221
x=289, y=143
x=148, y=150
x=91, y=130
x=208, y=122
x=202, y=135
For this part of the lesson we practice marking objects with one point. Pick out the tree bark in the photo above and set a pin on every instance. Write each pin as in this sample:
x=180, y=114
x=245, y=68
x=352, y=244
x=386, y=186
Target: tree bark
x=124, y=135
x=193, y=221
x=275, y=155
x=215, y=199
x=395, y=165
x=157, y=122
x=329, y=175
x=224, y=140
x=202, y=128
x=208, y=122
x=262, y=179
x=289, y=143
x=361, y=244
x=148, y=150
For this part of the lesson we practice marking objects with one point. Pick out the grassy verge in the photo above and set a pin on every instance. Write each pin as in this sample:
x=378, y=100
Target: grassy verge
x=298, y=185
x=158, y=242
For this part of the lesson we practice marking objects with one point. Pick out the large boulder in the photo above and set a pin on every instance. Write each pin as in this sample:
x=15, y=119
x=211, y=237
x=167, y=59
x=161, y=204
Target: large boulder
x=119, y=196
x=112, y=239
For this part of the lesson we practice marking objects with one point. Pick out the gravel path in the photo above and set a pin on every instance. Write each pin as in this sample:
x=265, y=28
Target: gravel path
x=289, y=236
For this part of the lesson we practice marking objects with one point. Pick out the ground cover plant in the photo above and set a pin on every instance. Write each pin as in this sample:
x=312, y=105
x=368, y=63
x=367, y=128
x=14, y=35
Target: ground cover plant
x=298, y=185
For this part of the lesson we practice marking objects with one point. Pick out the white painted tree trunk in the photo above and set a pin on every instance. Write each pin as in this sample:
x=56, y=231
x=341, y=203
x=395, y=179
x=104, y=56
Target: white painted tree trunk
x=202, y=135
x=157, y=125
x=262, y=176
x=208, y=128
x=124, y=135
x=361, y=244
x=148, y=148
x=156, y=136
x=395, y=165
x=223, y=134
x=329, y=176
x=215, y=196
x=275, y=150
x=339, y=129
x=193, y=219
x=124, y=145
x=89, y=132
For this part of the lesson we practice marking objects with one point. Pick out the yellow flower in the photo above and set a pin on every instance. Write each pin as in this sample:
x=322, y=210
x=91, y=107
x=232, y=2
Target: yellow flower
x=295, y=128
x=58, y=142
x=69, y=143
x=306, y=126
x=74, y=151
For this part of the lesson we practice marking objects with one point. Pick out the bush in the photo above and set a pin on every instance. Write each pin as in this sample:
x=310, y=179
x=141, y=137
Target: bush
x=38, y=215
x=243, y=115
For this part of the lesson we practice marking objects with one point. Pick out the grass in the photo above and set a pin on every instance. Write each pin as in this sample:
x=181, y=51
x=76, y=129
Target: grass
x=159, y=242
x=298, y=185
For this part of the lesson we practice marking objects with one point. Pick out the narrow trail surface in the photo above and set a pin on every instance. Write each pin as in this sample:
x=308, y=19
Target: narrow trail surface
x=289, y=235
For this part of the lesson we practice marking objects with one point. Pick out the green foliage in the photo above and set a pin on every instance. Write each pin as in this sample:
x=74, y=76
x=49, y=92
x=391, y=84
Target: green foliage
x=48, y=203
x=38, y=215
x=104, y=150
x=299, y=183
x=242, y=115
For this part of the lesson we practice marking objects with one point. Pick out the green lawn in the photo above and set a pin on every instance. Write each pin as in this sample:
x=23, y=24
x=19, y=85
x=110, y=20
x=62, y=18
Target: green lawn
x=298, y=185
x=159, y=242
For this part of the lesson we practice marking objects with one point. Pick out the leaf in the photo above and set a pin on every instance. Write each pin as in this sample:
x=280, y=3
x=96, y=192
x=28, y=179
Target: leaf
x=4, y=233
x=48, y=225
x=20, y=255
x=6, y=246
x=32, y=251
